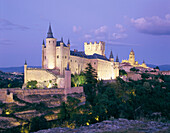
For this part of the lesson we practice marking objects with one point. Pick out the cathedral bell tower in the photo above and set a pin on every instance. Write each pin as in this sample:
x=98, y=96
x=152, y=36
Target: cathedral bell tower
x=132, y=57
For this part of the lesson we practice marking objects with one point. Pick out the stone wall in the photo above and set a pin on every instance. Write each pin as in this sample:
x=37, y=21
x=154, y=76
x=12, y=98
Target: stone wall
x=22, y=93
x=92, y=48
x=134, y=76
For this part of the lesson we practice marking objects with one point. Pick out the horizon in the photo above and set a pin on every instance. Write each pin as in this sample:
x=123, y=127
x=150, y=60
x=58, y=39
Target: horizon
x=122, y=25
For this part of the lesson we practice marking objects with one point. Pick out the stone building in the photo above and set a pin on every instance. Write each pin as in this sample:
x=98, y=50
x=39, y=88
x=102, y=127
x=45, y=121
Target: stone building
x=130, y=63
x=58, y=62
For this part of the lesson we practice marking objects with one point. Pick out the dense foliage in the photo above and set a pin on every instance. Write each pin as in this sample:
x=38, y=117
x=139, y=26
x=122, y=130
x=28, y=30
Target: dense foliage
x=148, y=98
x=77, y=79
x=134, y=69
x=8, y=80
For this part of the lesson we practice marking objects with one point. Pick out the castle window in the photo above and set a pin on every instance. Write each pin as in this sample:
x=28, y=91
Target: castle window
x=71, y=60
x=45, y=57
x=53, y=41
x=94, y=62
x=75, y=61
x=65, y=57
x=57, y=56
x=49, y=41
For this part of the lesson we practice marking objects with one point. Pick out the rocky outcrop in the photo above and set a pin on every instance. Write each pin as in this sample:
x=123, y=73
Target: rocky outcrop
x=118, y=125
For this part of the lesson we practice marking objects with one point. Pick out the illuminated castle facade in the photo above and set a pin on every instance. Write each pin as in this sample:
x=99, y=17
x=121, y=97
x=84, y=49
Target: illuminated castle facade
x=58, y=62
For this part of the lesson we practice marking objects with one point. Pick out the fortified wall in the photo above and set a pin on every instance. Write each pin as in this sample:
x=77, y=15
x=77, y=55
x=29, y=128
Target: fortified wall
x=7, y=93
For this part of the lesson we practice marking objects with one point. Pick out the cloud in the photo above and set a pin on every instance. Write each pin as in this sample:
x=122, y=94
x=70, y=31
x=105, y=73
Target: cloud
x=76, y=29
x=120, y=27
x=153, y=25
x=87, y=36
x=5, y=42
x=116, y=36
x=104, y=33
x=8, y=25
x=101, y=30
x=122, y=43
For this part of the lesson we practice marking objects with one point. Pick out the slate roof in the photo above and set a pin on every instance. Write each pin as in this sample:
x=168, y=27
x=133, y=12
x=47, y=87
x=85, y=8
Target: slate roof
x=50, y=33
x=82, y=54
x=58, y=43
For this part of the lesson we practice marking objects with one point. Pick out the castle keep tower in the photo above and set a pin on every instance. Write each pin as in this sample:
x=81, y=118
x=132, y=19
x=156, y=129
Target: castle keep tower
x=55, y=55
x=94, y=48
x=50, y=50
x=132, y=57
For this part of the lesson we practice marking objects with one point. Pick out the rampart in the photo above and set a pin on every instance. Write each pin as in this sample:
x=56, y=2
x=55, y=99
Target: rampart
x=22, y=93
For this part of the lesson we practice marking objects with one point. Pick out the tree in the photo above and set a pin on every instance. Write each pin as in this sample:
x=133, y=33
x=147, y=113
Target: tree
x=90, y=86
x=157, y=67
x=134, y=69
x=77, y=80
x=122, y=72
x=63, y=115
x=32, y=84
x=38, y=123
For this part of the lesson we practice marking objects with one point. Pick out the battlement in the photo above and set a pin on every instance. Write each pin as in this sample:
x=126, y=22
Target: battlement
x=94, y=48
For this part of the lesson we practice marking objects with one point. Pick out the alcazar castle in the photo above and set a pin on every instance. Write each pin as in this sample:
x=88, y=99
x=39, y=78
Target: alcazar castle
x=58, y=62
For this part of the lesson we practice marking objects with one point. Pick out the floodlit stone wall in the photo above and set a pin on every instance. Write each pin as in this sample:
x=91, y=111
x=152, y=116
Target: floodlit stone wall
x=22, y=93
x=92, y=48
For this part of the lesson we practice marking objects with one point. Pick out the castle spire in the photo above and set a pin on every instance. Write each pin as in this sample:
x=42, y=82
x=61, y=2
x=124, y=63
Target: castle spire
x=68, y=41
x=49, y=34
x=43, y=42
x=61, y=39
x=111, y=55
x=25, y=62
x=143, y=61
x=117, y=59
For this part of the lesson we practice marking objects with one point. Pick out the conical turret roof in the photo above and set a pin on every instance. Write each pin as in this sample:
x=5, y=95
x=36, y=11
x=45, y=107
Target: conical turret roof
x=117, y=59
x=111, y=55
x=49, y=34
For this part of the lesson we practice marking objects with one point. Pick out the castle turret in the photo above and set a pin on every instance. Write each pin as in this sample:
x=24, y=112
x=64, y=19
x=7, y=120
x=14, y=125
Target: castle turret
x=111, y=58
x=144, y=64
x=67, y=78
x=50, y=50
x=132, y=57
x=62, y=56
x=68, y=44
x=25, y=72
x=116, y=67
x=43, y=54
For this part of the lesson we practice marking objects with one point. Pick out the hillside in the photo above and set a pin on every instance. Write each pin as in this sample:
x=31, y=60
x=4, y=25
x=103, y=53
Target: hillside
x=115, y=126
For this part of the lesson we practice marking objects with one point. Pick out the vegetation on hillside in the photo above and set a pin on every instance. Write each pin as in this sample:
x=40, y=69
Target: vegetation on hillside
x=8, y=80
x=148, y=98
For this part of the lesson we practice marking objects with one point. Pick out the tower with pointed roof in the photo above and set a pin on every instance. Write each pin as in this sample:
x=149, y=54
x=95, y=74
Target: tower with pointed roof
x=132, y=57
x=25, y=72
x=116, y=67
x=43, y=54
x=50, y=50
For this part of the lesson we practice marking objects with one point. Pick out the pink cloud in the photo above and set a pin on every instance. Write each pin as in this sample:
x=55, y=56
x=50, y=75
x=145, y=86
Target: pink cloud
x=153, y=25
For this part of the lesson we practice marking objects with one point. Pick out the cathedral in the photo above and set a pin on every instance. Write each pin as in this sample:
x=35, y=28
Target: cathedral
x=130, y=63
x=58, y=62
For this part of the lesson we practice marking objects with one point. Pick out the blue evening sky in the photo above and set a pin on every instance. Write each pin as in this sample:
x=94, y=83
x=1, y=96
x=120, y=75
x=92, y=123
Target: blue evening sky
x=141, y=25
